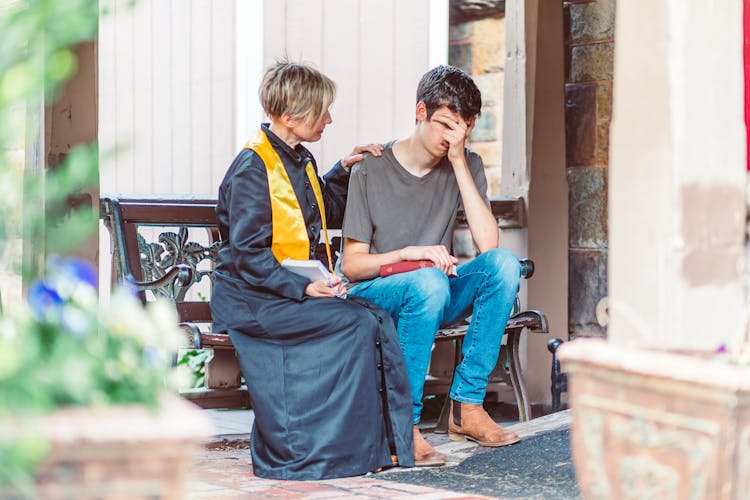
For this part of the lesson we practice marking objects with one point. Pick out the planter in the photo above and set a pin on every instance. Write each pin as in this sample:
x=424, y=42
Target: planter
x=121, y=452
x=648, y=424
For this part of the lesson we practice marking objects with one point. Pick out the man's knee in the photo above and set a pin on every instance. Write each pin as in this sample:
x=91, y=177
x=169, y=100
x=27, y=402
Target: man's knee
x=505, y=265
x=429, y=289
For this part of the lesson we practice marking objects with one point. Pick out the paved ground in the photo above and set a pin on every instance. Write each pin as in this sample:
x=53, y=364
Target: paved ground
x=225, y=472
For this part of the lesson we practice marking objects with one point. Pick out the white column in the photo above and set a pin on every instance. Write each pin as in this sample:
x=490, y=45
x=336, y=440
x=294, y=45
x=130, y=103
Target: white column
x=677, y=176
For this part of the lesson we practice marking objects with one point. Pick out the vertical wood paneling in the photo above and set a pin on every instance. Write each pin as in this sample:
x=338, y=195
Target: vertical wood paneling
x=376, y=73
x=410, y=56
x=107, y=135
x=143, y=105
x=342, y=62
x=168, y=81
x=374, y=50
x=124, y=96
x=304, y=42
x=222, y=112
x=200, y=94
x=181, y=102
x=247, y=67
x=274, y=30
x=161, y=70
x=107, y=104
x=304, y=30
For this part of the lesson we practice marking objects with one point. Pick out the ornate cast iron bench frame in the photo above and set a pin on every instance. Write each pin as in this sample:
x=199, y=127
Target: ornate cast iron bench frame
x=175, y=262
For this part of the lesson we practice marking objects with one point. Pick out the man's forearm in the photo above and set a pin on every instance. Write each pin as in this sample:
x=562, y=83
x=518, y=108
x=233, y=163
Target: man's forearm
x=482, y=223
x=360, y=266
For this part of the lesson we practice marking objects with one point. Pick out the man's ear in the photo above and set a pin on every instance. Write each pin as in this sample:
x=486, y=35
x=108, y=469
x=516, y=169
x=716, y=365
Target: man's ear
x=421, y=111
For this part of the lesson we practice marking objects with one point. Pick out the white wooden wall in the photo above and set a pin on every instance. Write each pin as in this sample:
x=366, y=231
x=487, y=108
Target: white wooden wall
x=178, y=79
x=375, y=50
x=166, y=95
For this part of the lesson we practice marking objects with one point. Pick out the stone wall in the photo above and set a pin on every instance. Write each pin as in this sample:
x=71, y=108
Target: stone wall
x=478, y=47
x=589, y=50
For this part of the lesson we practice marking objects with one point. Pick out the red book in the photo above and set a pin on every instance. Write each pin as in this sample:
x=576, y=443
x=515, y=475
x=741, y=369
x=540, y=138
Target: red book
x=406, y=266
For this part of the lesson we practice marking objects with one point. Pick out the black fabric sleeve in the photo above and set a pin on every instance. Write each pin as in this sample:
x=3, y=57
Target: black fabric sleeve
x=335, y=187
x=250, y=232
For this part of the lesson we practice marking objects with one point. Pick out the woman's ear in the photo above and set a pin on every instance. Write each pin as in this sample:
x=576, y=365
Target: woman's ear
x=287, y=120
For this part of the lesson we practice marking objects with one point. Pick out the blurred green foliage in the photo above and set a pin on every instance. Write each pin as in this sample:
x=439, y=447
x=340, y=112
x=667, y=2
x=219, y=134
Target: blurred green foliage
x=36, y=59
x=195, y=360
x=66, y=349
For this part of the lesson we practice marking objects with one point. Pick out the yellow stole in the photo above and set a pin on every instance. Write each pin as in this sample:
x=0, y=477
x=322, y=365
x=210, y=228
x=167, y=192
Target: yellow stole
x=289, y=238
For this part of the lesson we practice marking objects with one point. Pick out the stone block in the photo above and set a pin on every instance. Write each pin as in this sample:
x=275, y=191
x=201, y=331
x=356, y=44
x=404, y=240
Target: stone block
x=587, y=285
x=566, y=24
x=491, y=153
x=463, y=244
x=592, y=21
x=592, y=62
x=485, y=128
x=488, y=46
x=460, y=32
x=580, y=124
x=602, y=143
x=470, y=10
x=493, y=180
x=604, y=101
x=586, y=334
x=459, y=55
x=587, y=205
x=491, y=86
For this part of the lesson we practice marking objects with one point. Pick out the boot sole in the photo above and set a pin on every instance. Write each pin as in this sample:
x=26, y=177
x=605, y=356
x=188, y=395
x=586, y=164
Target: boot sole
x=464, y=437
x=428, y=463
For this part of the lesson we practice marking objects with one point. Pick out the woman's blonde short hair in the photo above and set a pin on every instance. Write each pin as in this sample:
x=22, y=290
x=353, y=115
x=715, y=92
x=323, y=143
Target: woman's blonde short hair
x=296, y=89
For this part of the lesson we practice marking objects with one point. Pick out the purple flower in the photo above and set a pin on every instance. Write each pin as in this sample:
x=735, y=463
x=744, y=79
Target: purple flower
x=722, y=349
x=74, y=269
x=45, y=302
x=76, y=321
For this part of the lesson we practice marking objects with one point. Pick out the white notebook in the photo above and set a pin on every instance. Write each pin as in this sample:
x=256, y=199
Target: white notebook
x=311, y=269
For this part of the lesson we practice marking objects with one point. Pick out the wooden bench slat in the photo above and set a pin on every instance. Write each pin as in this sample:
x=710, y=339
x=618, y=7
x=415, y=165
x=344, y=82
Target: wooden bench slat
x=196, y=312
x=216, y=340
x=158, y=214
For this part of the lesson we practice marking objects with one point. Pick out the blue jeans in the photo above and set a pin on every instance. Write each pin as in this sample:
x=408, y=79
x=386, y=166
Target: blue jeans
x=421, y=301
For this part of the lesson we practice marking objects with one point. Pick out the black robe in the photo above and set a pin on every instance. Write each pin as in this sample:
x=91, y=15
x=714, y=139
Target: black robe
x=326, y=376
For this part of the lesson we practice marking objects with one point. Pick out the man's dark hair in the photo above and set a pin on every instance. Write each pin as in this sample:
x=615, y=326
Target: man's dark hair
x=451, y=87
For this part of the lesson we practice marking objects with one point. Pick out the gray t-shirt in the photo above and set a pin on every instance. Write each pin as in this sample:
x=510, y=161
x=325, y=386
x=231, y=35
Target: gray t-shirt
x=389, y=208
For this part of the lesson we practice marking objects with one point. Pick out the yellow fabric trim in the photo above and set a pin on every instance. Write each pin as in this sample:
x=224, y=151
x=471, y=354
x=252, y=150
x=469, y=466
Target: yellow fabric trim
x=289, y=238
x=319, y=196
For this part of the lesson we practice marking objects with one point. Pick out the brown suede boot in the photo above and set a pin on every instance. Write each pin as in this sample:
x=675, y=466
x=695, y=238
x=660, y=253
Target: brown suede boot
x=424, y=454
x=468, y=421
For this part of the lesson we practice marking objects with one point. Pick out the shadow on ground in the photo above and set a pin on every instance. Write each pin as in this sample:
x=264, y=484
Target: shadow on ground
x=538, y=467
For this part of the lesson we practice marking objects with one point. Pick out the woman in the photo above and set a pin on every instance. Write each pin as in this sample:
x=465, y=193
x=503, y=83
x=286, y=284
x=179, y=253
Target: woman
x=325, y=374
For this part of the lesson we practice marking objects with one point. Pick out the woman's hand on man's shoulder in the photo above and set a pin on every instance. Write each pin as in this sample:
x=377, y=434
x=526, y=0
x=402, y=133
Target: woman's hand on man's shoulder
x=358, y=153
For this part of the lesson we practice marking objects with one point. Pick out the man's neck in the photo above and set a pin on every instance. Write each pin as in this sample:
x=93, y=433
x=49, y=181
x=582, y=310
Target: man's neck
x=412, y=155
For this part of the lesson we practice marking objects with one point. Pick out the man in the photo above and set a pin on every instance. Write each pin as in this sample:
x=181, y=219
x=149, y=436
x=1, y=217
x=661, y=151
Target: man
x=402, y=207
